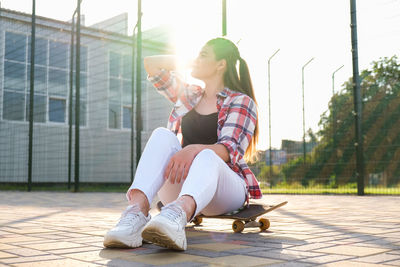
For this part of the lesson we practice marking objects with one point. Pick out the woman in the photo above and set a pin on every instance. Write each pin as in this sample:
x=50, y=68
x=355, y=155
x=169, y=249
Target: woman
x=206, y=172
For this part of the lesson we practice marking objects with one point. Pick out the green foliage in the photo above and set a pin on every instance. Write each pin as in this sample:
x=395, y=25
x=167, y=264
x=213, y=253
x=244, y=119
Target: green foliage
x=332, y=161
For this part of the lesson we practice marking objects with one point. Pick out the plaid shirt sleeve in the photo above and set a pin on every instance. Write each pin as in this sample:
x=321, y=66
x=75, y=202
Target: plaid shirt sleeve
x=239, y=126
x=170, y=85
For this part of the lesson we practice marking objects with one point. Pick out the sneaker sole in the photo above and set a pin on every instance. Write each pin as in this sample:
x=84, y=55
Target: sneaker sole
x=115, y=243
x=154, y=235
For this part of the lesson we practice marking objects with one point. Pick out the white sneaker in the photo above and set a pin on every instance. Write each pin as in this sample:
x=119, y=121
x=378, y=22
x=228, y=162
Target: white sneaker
x=127, y=232
x=167, y=229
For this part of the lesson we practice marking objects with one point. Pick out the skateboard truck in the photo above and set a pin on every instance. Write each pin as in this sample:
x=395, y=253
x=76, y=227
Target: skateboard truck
x=243, y=219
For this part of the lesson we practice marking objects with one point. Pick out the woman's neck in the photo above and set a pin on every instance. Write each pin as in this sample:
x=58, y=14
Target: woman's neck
x=213, y=87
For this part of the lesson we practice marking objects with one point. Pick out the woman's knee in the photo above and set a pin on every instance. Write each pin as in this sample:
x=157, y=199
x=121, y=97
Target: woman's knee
x=162, y=133
x=209, y=156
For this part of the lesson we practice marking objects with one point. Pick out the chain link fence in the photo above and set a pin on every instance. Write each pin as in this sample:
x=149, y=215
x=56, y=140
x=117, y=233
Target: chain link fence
x=108, y=111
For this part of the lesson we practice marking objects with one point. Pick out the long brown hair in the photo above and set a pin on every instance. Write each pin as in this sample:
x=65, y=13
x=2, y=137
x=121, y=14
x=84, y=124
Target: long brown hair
x=241, y=82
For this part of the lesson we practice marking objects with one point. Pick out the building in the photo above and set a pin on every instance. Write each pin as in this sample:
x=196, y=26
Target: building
x=106, y=99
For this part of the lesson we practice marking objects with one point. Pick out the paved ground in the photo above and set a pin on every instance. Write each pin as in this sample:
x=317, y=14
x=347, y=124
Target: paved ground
x=66, y=229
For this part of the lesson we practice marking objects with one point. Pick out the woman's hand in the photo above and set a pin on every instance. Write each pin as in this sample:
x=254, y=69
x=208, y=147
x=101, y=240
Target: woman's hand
x=179, y=164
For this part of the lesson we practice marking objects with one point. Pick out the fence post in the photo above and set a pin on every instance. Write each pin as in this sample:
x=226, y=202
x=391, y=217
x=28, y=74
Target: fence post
x=31, y=93
x=357, y=102
x=133, y=101
x=77, y=86
x=139, y=84
x=71, y=91
x=223, y=17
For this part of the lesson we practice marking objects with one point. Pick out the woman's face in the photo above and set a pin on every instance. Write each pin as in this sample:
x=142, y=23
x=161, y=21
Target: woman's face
x=205, y=65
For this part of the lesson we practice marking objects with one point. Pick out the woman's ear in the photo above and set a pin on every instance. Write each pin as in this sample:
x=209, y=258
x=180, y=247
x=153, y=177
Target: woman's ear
x=221, y=65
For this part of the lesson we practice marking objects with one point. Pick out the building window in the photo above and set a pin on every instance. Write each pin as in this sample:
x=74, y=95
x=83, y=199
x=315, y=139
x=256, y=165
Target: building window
x=58, y=80
x=39, y=107
x=57, y=110
x=15, y=47
x=14, y=76
x=13, y=106
x=58, y=54
x=41, y=48
x=51, y=79
x=120, y=91
x=127, y=117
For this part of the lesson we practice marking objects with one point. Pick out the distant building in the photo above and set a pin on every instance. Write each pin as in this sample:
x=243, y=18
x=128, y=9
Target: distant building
x=295, y=149
x=279, y=157
x=106, y=98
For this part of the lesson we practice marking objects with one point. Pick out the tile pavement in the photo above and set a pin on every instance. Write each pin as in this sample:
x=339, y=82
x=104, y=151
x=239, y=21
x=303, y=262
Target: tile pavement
x=66, y=229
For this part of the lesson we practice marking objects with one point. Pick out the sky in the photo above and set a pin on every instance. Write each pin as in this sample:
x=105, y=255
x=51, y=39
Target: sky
x=302, y=30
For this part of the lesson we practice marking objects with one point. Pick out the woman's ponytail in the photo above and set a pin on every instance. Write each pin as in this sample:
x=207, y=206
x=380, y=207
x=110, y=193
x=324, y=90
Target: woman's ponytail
x=241, y=82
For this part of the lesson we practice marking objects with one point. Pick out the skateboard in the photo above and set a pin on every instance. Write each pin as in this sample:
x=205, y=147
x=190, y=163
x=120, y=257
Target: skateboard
x=244, y=217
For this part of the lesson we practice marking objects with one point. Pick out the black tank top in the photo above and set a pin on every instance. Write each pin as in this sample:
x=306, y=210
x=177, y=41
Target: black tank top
x=198, y=128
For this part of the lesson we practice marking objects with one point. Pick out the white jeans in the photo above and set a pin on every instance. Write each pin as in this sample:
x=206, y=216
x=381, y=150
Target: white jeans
x=215, y=187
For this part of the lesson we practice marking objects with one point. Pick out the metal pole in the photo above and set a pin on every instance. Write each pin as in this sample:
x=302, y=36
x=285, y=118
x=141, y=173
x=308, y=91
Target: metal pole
x=333, y=79
x=132, y=98
x=139, y=84
x=31, y=94
x=357, y=102
x=269, y=113
x=77, y=86
x=71, y=90
x=223, y=17
x=133, y=101
x=304, y=117
x=334, y=115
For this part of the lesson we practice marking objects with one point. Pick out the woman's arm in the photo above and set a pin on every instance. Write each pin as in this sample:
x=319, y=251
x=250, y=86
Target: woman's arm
x=219, y=149
x=154, y=64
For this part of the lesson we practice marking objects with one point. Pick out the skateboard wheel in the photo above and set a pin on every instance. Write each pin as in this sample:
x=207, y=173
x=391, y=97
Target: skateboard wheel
x=264, y=224
x=238, y=226
x=197, y=220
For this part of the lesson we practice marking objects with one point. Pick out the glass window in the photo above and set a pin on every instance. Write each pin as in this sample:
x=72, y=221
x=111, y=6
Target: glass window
x=82, y=112
x=127, y=117
x=127, y=92
x=115, y=64
x=39, y=108
x=83, y=60
x=115, y=91
x=58, y=54
x=13, y=106
x=114, y=115
x=14, y=76
x=40, y=51
x=83, y=88
x=57, y=110
x=40, y=79
x=15, y=46
x=127, y=67
x=58, y=84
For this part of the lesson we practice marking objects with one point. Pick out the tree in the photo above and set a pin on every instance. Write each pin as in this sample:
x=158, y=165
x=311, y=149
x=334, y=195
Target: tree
x=334, y=156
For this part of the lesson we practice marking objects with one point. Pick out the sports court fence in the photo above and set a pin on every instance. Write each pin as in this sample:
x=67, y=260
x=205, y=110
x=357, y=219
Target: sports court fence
x=47, y=148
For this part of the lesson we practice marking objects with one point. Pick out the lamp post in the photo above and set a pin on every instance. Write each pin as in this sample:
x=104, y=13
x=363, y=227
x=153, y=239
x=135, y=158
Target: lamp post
x=334, y=115
x=333, y=79
x=304, y=119
x=269, y=112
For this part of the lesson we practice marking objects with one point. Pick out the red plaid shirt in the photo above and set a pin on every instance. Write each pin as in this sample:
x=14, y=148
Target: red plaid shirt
x=237, y=116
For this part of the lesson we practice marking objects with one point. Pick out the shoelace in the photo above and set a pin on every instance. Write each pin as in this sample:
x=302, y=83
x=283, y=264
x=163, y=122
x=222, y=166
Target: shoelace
x=171, y=211
x=128, y=216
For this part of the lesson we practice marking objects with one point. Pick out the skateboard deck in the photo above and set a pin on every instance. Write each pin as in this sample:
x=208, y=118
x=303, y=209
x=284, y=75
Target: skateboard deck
x=245, y=217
